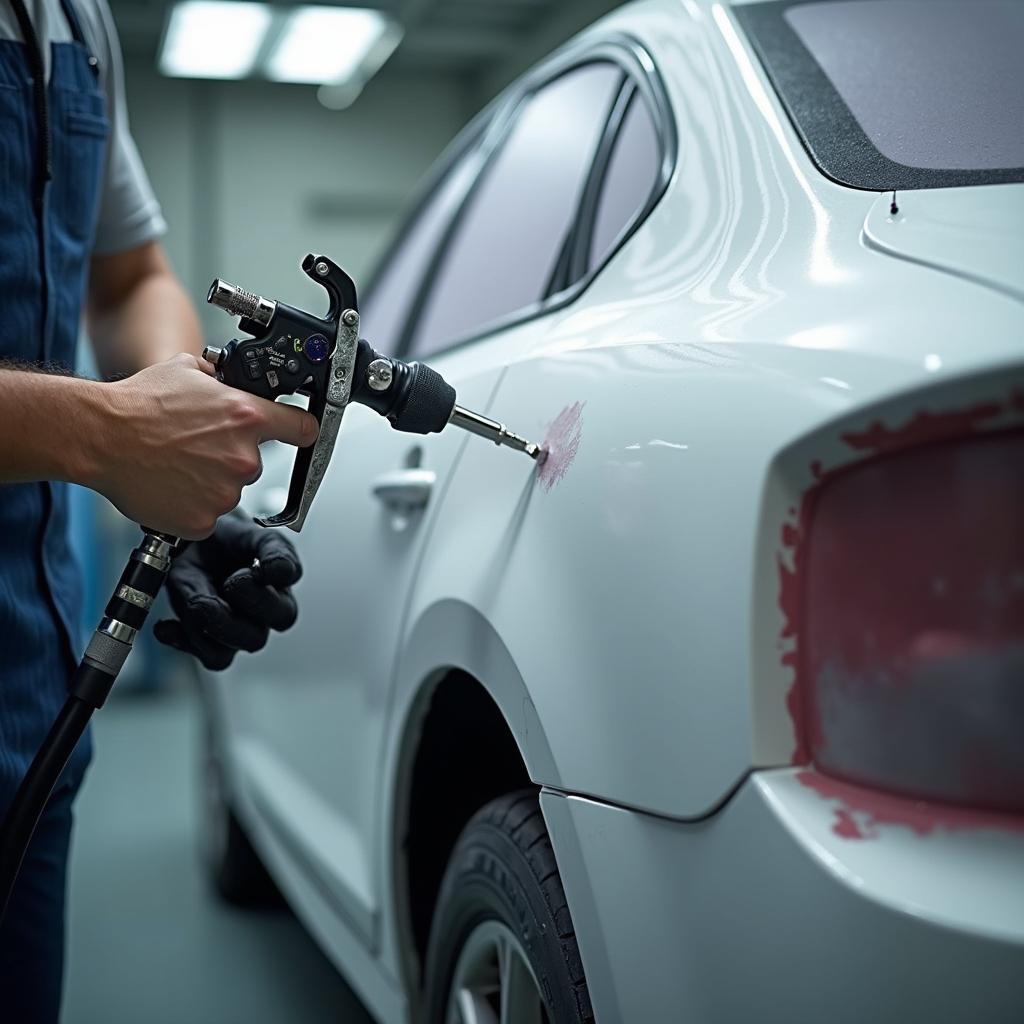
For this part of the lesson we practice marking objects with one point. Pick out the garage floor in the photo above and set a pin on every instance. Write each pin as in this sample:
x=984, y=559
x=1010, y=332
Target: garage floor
x=148, y=942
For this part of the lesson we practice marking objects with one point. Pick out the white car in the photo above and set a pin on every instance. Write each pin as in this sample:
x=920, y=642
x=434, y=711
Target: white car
x=717, y=715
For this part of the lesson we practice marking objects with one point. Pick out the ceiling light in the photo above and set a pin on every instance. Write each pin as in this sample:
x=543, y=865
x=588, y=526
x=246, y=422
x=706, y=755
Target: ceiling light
x=213, y=38
x=332, y=46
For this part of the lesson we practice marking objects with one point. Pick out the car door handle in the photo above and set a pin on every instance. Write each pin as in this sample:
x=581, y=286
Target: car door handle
x=404, y=490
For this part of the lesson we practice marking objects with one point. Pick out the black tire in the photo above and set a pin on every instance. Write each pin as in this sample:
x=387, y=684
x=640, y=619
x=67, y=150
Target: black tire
x=233, y=866
x=503, y=869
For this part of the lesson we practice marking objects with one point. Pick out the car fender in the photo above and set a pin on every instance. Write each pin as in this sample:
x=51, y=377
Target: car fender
x=451, y=634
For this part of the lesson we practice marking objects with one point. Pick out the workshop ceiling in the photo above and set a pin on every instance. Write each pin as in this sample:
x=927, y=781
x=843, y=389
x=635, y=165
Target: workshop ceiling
x=469, y=37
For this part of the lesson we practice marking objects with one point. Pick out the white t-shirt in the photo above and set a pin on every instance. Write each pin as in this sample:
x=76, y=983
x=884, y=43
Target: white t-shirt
x=129, y=212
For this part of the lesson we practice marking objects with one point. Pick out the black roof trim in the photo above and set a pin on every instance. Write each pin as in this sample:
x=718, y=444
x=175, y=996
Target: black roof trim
x=826, y=125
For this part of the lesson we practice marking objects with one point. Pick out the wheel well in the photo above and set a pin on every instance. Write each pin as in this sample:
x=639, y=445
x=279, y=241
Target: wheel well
x=466, y=757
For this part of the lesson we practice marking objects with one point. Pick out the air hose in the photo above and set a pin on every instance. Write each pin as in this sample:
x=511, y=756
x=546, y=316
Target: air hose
x=124, y=616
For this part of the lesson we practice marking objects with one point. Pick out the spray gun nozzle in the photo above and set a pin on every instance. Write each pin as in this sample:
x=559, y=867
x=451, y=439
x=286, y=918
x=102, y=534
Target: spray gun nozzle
x=238, y=302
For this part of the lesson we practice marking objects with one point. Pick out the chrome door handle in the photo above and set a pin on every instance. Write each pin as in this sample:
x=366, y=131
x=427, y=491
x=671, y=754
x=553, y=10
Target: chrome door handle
x=404, y=490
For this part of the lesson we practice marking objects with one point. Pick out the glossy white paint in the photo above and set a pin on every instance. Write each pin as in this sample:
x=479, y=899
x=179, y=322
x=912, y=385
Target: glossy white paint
x=626, y=621
x=761, y=914
x=976, y=233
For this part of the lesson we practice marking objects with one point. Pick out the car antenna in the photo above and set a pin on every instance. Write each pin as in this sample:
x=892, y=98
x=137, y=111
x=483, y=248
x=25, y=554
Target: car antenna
x=893, y=208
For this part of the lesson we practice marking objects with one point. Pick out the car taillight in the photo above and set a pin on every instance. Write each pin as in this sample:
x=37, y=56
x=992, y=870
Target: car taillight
x=911, y=628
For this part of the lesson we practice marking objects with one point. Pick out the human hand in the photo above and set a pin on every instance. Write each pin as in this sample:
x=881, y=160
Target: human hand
x=229, y=590
x=177, y=446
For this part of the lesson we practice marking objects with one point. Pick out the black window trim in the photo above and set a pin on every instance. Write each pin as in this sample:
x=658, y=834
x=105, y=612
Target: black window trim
x=586, y=215
x=501, y=129
x=562, y=273
x=833, y=138
x=487, y=134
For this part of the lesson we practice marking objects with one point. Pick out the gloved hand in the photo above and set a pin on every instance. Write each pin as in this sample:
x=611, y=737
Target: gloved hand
x=229, y=590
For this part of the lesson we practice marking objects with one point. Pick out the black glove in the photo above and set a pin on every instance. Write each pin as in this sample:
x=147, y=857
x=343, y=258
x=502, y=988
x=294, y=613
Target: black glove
x=229, y=590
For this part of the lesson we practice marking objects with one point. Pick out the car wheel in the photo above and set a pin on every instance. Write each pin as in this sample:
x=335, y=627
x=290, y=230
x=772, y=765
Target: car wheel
x=502, y=946
x=233, y=866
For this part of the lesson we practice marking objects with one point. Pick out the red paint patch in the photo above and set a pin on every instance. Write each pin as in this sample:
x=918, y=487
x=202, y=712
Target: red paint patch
x=922, y=428
x=877, y=439
x=859, y=811
x=790, y=587
x=561, y=444
x=846, y=825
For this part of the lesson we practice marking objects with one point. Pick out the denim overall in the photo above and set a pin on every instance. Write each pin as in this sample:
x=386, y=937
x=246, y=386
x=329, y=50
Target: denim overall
x=52, y=157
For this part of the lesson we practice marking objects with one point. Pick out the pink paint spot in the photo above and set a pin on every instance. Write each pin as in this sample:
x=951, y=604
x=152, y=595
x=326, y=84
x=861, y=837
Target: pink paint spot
x=560, y=445
x=859, y=811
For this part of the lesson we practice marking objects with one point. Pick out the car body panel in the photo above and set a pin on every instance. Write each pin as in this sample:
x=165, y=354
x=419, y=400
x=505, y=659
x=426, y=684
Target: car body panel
x=318, y=906
x=762, y=909
x=976, y=233
x=626, y=617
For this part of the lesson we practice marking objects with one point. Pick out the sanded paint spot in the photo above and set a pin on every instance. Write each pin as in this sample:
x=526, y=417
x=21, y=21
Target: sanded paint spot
x=561, y=445
x=859, y=811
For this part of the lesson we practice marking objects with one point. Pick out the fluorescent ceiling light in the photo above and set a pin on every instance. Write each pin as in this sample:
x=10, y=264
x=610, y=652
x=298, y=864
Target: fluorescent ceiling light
x=213, y=38
x=332, y=45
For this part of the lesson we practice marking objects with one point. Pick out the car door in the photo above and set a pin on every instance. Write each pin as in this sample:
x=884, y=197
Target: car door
x=562, y=564
x=485, y=250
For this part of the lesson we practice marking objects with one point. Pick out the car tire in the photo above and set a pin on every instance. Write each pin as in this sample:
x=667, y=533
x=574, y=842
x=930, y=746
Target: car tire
x=501, y=923
x=232, y=864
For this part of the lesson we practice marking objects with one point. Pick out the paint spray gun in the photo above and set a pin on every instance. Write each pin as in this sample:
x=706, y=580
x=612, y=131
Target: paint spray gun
x=294, y=352
x=288, y=351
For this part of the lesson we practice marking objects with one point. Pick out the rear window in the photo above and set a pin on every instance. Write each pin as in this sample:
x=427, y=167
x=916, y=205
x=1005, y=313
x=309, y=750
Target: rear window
x=901, y=93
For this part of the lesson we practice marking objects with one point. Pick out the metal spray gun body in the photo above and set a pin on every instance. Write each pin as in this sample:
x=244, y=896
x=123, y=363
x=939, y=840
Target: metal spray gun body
x=293, y=352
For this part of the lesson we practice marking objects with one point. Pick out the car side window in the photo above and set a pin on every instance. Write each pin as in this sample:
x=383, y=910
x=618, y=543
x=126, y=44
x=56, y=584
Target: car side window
x=629, y=181
x=384, y=313
x=505, y=248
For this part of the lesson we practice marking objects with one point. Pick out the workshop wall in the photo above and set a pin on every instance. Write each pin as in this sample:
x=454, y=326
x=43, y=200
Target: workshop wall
x=253, y=175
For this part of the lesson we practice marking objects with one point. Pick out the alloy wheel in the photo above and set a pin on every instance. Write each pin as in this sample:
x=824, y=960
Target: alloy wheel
x=493, y=982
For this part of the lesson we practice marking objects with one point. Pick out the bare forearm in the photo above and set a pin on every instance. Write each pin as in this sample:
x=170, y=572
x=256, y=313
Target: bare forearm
x=138, y=313
x=169, y=446
x=51, y=427
x=154, y=322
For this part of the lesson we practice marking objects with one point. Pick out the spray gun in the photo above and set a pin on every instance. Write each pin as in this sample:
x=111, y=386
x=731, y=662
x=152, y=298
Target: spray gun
x=288, y=352
x=294, y=352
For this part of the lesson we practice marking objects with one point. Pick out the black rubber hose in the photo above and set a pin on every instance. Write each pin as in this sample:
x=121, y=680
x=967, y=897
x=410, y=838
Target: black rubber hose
x=36, y=787
x=127, y=609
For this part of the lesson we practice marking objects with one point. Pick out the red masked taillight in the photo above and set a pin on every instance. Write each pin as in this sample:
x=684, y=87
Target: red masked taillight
x=911, y=634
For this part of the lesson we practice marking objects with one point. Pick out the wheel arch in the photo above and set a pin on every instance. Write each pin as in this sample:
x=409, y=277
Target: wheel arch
x=454, y=673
